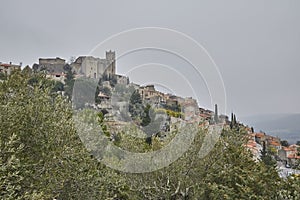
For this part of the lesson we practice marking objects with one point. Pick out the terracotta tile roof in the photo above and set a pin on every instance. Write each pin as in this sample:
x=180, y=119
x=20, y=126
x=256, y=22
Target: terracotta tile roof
x=293, y=156
x=5, y=65
x=204, y=115
x=251, y=143
x=8, y=65
x=287, y=149
x=274, y=143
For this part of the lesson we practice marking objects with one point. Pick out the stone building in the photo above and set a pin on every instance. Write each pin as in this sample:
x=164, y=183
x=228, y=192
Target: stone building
x=123, y=80
x=8, y=68
x=88, y=66
x=174, y=101
x=260, y=137
x=92, y=67
x=150, y=95
x=55, y=68
x=51, y=62
x=50, y=65
x=147, y=91
x=190, y=108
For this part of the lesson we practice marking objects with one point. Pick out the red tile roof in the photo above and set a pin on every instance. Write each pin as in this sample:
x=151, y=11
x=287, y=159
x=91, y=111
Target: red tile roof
x=293, y=156
x=8, y=65
x=275, y=143
x=287, y=149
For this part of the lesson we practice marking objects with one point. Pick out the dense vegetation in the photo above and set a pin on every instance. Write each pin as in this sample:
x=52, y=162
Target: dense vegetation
x=42, y=157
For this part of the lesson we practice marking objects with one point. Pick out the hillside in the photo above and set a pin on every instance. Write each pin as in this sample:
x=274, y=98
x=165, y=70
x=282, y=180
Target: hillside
x=285, y=126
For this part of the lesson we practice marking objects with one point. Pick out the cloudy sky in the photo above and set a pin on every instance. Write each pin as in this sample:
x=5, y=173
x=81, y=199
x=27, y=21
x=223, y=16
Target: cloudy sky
x=254, y=43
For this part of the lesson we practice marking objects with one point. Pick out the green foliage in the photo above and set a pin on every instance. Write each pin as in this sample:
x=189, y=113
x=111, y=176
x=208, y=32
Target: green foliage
x=227, y=172
x=41, y=154
x=272, y=151
x=149, y=140
x=266, y=157
x=97, y=98
x=174, y=114
x=42, y=81
x=69, y=83
x=102, y=124
x=42, y=157
x=146, y=119
x=136, y=107
x=284, y=143
x=113, y=81
x=128, y=142
x=27, y=69
x=10, y=170
x=290, y=189
x=174, y=108
x=106, y=91
x=3, y=76
x=233, y=122
x=57, y=86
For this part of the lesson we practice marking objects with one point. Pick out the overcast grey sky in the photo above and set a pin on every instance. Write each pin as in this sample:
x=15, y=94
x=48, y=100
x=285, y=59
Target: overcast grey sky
x=254, y=43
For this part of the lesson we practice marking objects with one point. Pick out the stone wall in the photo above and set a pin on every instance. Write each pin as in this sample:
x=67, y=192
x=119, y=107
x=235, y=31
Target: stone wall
x=8, y=68
x=52, y=61
x=95, y=67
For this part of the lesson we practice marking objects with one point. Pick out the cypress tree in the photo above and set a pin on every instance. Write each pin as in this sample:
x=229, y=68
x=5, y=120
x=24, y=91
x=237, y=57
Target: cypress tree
x=216, y=114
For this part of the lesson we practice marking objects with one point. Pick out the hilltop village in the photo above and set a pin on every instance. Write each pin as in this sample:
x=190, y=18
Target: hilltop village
x=57, y=69
x=178, y=108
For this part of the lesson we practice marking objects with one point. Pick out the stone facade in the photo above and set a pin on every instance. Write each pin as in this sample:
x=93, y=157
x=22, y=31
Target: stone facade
x=190, y=108
x=96, y=67
x=51, y=61
x=57, y=77
x=148, y=93
x=8, y=68
x=50, y=65
x=87, y=66
x=55, y=68
x=123, y=80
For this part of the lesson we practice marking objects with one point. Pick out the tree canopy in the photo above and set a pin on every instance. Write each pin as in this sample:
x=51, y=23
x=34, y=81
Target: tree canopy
x=42, y=157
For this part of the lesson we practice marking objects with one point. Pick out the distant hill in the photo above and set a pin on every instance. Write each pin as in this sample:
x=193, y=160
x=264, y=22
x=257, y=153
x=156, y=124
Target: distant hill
x=285, y=126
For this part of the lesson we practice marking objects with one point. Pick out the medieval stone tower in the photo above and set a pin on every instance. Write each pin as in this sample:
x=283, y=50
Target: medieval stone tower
x=111, y=63
x=96, y=67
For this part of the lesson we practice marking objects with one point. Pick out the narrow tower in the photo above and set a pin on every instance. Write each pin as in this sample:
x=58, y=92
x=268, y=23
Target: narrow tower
x=216, y=114
x=111, y=58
